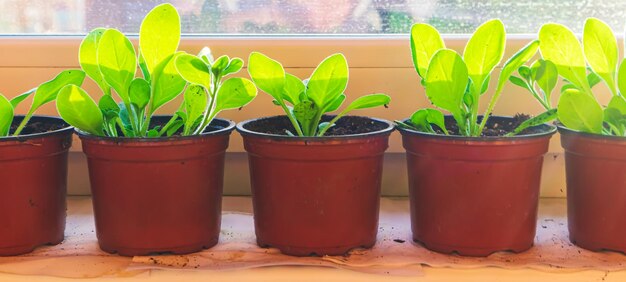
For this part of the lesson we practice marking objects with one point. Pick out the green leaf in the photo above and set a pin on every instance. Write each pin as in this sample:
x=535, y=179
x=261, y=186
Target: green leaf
x=621, y=78
x=79, y=110
x=525, y=72
x=220, y=64
x=88, y=58
x=48, y=91
x=545, y=117
x=267, y=74
x=234, y=93
x=143, y=67
x=139, y=92
x=6, y=116
x=193, y=70
x=515, y=62
x=329, y=80
x=108, y=107
x=518, y=81
x=117, y=61
x=196, y=100
x=159, y=35
x=618, y=103
x=293, y=88
x=593, y=79
x=579, y=111
x=600, y=47
x=305, y=111
x=423, y=119
x=166, y=83
x=446, y=81
x=234, y=66
x=425, y=42
x=368, y=101
x=484, y=51
x=20, y=98
x=335, y=104
x=560, y=45
x=546, y=75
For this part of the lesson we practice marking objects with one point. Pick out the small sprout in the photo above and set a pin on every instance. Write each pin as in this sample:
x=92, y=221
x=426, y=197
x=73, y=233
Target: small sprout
x=456, y=83
x=306, y=101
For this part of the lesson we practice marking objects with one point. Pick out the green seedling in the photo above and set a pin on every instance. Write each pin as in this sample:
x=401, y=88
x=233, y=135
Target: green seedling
x=207, y=93
x=582, y=67
x=306, y=101
x=109, y=58
x=456, y=83
x=45, y=93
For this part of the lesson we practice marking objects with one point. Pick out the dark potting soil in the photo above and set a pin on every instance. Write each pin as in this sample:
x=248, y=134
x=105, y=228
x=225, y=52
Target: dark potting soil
x=495, y=126
x=35, y=126
x=347, y=125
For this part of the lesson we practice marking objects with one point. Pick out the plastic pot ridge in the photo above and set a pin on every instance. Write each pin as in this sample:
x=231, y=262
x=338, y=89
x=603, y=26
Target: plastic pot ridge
x=595, y=167
x=33, y=169
x=316, y=196
x=158, y=195
x=474, y=195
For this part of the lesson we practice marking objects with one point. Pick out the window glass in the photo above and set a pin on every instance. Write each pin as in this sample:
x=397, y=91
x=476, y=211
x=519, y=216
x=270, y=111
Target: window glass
x=305, y=16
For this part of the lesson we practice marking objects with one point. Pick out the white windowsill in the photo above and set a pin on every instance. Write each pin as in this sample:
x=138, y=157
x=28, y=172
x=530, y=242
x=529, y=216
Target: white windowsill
x=308, y=273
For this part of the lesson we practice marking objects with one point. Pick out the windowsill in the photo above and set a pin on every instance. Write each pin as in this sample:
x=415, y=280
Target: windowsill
x=80, y=211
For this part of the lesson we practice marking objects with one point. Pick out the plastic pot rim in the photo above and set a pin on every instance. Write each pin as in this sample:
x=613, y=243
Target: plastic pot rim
x=246, y=132
x=550, y=130
x=229, y=126
x=26, y=137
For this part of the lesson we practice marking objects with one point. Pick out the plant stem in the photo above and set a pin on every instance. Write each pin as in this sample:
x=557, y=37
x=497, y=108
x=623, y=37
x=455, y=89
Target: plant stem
x=23, y=124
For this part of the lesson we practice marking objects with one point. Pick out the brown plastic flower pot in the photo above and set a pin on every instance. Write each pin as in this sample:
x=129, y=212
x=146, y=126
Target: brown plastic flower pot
x=158, y=195
x=474, y=195
x=595, y=167
x=316, y=195
x=33, y=169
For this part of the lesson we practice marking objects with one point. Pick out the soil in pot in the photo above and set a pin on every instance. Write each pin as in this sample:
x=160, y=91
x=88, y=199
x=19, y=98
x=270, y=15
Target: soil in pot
x=316, y=196
x=33, y=169
x=595, y=168
x=158, y=195
x=475, y=195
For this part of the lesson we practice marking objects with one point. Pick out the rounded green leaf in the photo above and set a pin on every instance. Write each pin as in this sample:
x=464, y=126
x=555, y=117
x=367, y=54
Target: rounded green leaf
x=48, y=91
x=196, y=100
x=139, y=92
x=484, y=51
x=425, y=42
x=193, y=70
x=117, y=61
x=515, y=62
x=546, y=74
x=618, y=103
x=446, y=80
x=560, y=45
x=334, y=105
x=368, y=101
x=234, y=66
x=267, y=74
x=600, y=46
x=6, y=116
x=79, y=110
x=579, y=111
x=108, y=107
x=159, y=35
x=329, y=80
x=20, y=98
x=234, y=93
x=88, y=58
x=293, y=88
x=167, y=84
